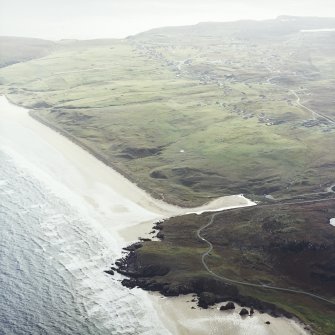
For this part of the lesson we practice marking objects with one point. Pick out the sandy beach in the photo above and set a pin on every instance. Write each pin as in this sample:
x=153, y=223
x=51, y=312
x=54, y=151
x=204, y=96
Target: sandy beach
x=212, y=321
x=122, y=212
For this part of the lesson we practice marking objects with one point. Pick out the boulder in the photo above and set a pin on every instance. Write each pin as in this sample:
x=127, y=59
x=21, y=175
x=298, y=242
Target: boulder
x=244, y=311
x=118, y=263
x=206, y=299
x=160, y=235
x=110, y=272
x=133, y=247
x=130, y=283
x=227, y=306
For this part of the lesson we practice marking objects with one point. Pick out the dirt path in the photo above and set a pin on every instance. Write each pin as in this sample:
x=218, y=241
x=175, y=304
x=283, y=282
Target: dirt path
x=314, y=113
x=269, y=287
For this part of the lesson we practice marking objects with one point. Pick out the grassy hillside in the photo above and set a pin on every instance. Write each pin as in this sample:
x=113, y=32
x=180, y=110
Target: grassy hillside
x=195, y=116
x=19, y=49
x=288, y=246
x=244, y=30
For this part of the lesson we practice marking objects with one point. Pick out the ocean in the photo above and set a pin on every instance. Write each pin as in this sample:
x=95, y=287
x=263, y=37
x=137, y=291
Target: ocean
x=51, y=267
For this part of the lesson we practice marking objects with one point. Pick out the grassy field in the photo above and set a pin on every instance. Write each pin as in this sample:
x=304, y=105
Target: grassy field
x=18, y=49
x=192, y=119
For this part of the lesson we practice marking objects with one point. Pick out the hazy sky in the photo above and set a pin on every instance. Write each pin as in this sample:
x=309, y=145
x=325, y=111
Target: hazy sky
x=57, y=19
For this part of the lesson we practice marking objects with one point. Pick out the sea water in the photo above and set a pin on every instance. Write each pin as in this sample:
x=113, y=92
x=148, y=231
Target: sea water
x=52, y=264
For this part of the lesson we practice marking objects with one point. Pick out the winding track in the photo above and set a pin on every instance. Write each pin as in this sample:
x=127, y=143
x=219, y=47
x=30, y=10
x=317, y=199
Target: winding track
x=210, y=248
x=314, y=113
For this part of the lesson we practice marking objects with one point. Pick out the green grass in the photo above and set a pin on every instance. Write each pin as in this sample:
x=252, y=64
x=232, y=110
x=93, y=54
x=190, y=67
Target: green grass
x=118, y=97
x=17, y=49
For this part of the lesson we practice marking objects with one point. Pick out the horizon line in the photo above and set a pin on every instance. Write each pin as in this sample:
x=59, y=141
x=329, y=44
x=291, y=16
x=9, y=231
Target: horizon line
x=165, y=27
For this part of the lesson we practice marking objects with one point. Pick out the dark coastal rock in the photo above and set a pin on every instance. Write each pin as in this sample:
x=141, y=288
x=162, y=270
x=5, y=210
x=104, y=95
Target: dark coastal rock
x=130, y=283
x=110, y=272
x=133, y=247
x=158, y=226
x=171, y=291
x=118, y=263
x=267, y=322
x=128, y=273
x=244, y=311
x=262, y=307
x=144, y=239
x=160, y=235
x=153, y=286
x=206, y=299
x=274, y=313
x=219, y=288
x=151, y=277
x=147, y=271
x=252, y=310
x=227, y=306
x=130, y=267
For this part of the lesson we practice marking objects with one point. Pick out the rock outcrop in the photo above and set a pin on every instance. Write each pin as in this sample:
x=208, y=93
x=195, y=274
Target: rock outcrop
x=244, y=311
x=227, y=306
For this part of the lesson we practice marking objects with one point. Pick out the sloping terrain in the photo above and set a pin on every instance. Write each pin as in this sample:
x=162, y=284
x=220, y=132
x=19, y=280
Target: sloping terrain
x=287, y=246
x=196, y=112
x=19, y=49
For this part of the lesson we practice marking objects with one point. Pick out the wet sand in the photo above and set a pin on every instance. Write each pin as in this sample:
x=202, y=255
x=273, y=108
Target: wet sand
x=120, y=210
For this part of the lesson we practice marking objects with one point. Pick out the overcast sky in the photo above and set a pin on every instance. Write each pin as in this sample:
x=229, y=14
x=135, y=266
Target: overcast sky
x=84, y=19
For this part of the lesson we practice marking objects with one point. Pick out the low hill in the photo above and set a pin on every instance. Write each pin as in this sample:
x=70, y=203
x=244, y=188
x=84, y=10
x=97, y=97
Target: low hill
x=19, y=49
x=198, y=117
x=257, y=252
x=278, y=28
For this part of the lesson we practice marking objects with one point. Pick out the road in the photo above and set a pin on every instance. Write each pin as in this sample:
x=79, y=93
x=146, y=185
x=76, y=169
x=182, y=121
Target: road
x=228, y=280
x=314, y=113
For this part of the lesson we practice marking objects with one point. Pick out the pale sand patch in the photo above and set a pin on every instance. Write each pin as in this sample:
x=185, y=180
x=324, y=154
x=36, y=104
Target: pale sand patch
x=120, y=210
x=143, y=229
x=332, y=222
x=188, y=321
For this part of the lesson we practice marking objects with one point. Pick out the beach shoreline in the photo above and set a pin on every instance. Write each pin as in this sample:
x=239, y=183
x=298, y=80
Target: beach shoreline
x=120, y=208
x=109, y=163
x=193, y=320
